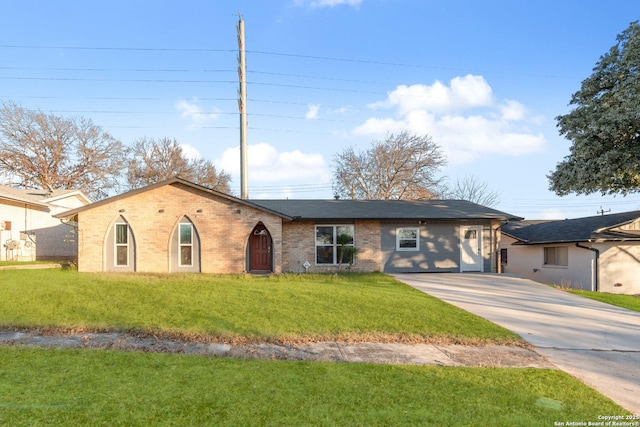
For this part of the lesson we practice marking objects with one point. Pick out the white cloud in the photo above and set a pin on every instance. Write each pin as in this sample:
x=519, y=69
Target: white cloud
x=312, y=114
x=193, y=112
x=463, y=118
x=328, y=3
x=267, y=165
x=512, y=110
x=462, y=93
x=190, y=152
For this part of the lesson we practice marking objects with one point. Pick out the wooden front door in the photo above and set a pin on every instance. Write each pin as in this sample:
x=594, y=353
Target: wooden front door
x=260, y=250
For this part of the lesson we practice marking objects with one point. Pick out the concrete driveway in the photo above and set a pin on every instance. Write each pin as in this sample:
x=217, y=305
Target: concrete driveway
x=595, y=342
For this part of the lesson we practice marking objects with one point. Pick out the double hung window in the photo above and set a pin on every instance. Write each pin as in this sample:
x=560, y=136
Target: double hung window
x=330, y=239
x=408, y=239
x=186, y=245
x=122, y=245
x=556, y=256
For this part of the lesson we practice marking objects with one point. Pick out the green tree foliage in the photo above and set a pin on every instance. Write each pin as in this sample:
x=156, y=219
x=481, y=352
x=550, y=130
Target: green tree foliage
x=157, y=160
x=604, y=125
x=51, y=152
x=402, y=166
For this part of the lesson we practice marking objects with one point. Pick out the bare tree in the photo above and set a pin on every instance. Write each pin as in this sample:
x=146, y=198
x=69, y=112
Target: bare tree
x=472, y=190
x=402, y=166
x=156, y=160
x=52, y=152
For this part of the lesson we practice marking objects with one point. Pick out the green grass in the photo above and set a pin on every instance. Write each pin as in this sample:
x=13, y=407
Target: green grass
x=627, y=301
x=12, y=263
x=364, y=307
x=107, y=388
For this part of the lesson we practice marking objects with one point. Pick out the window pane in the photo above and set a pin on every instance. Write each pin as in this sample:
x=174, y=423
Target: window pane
x=185, y=255
x=345, y=230
x=408, y=243
x=407, y=233
x=556, y=255
x=346, y=253
x=324, y=255
x=324, y=235
x=121, y=234
x=185, y=234
x=122, y=255
x=471, y=234
x=562, y=256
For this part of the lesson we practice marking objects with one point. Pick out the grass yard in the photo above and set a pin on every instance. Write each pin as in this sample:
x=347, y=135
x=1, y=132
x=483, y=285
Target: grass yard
x=626, y=301
x=21, y=263
x=107, y=388
x=70, y=387
x=361, y=307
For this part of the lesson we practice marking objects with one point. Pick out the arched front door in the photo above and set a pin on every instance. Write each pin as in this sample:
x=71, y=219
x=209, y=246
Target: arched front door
x=260, y=257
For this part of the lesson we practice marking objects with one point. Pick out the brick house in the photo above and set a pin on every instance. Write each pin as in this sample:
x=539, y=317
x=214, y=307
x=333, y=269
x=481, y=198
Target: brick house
x=178, y=226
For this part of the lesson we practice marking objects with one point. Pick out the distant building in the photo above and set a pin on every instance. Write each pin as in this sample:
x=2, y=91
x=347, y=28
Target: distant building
x=28, y=230
x=596, y=253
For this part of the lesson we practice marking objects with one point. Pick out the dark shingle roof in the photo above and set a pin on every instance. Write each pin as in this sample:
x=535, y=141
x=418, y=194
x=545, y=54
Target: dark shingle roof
x=382, y=209
x=337, y=209
x=571, y=230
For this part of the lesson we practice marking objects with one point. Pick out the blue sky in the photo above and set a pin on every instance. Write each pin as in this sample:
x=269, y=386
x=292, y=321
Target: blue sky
x=485, y=79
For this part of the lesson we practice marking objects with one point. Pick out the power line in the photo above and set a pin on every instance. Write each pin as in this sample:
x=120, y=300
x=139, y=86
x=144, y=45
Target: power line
x=116, y=48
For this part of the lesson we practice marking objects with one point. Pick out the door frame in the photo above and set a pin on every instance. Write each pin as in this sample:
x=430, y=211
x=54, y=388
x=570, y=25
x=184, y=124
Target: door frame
x=464, y=267
x=260, y=230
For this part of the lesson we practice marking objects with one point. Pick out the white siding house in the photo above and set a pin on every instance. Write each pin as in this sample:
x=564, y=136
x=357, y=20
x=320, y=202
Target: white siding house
x=599, y=253
x=28, y=231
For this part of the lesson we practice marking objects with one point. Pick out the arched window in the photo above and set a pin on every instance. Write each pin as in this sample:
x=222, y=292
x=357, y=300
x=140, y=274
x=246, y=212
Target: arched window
x=185, y=247
x=121, y=248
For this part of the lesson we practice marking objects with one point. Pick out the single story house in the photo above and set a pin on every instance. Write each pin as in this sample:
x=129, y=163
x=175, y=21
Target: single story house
x=28, y=231
x=596, y=253
x=178, y=226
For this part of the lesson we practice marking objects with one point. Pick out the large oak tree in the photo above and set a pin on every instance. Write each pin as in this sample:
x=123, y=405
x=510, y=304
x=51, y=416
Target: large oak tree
x=604, y=125
x=153, y=160
x=403, y=166
x=46, y=151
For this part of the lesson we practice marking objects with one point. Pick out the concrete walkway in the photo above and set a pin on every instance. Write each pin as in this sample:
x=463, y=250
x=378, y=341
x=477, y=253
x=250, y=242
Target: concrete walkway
x=593, y=341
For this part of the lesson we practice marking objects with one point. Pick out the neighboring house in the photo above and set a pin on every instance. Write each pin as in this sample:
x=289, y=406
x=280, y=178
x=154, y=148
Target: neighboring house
x=178, y=226
x=28, y=231
x=597, y=253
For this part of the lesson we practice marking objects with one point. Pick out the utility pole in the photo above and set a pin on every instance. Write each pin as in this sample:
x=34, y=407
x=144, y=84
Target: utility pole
x=602, y=211
x=242, y=106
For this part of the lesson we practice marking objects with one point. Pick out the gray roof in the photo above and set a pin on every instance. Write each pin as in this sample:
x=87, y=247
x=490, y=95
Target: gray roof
x=337, y=209
x=572, y=230
x=382, y=209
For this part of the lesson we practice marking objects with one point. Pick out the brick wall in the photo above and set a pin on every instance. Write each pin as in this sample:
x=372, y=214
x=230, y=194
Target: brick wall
x=223, y=226
x=298, y=246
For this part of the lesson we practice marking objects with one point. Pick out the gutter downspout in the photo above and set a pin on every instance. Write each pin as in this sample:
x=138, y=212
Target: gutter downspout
x=597, y=252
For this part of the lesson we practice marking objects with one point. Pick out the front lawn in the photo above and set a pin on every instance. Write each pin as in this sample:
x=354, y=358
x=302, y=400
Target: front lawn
x=107, y=388
x=626, y=301
x=361, y=307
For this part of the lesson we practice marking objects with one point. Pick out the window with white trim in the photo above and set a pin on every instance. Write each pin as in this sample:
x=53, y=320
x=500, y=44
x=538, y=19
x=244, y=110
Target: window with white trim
x=556, y=256
x=121, y=245
x=185, y=242
x=408, y=239
x=329, y=239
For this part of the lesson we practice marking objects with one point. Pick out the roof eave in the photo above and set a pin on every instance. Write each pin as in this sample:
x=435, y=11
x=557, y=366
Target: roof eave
x=72, y=212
